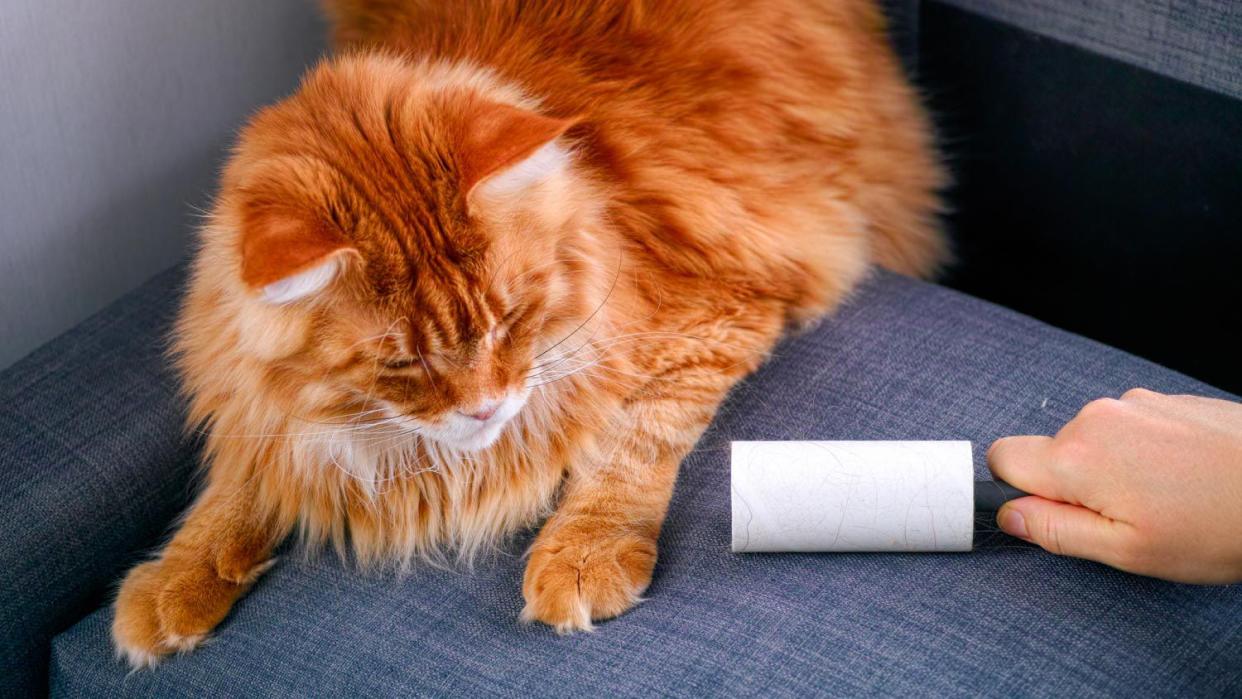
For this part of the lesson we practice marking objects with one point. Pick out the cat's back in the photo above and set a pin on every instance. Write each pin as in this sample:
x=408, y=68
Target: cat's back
x=626, y=50
x=783, y=103
x=734, y=82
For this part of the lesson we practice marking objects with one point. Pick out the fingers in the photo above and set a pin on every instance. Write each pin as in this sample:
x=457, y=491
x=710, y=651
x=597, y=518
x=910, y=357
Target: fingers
x=1066, y=530
x=1027, y=463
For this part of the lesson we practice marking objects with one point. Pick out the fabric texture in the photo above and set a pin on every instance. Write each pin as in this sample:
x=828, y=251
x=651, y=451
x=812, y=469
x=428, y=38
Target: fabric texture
x=94, y=464
x=1099, y=197
x=903, y=360
x=1198, y=41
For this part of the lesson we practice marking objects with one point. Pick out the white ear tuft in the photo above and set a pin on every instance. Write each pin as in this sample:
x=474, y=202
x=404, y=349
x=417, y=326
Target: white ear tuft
x=302, y=284
x=549, y=160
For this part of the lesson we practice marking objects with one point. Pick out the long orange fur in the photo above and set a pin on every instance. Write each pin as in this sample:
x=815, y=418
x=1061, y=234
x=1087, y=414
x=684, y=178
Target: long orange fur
x=692, y=177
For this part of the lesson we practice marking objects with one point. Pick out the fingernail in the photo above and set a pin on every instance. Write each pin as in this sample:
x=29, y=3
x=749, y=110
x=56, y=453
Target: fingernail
x=1011, y=522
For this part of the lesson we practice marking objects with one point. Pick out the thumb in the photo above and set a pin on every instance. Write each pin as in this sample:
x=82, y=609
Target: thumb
x=1060, y=528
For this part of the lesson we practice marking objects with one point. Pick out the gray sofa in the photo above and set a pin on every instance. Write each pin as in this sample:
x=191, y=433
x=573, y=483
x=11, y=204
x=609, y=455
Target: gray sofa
x=95, y=464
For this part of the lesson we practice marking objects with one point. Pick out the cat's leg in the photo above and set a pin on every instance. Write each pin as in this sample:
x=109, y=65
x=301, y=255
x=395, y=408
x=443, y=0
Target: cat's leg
x=595, y=556
x=171, y=603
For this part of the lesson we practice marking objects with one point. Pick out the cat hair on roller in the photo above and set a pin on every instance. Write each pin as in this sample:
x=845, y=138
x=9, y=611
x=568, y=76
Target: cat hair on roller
x=858, y=496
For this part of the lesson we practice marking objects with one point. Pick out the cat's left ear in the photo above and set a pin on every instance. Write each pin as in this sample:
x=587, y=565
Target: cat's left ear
x=506, y=149
x=288, y=254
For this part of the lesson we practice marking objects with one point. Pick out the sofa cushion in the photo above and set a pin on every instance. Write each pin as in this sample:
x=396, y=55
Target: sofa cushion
x=1097, y=196
x=903, y=360
x=1199, y=42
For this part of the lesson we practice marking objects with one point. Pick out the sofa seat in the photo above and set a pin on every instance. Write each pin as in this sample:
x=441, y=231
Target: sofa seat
x=902, y=360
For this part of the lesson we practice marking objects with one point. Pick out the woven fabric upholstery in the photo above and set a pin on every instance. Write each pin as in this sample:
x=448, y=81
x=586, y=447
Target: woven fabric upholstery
x=94, y=464
x=904, y=360
x=1198, y=41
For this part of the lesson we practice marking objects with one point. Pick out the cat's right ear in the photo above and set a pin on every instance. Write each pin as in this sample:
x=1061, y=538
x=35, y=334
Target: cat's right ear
x=287, y=255
x=507, y=149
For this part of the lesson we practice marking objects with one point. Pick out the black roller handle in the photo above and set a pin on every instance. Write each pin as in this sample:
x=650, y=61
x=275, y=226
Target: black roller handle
x=990, y=495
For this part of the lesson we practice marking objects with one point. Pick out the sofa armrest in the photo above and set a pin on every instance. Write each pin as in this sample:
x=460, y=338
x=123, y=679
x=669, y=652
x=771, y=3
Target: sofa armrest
x=94, y=464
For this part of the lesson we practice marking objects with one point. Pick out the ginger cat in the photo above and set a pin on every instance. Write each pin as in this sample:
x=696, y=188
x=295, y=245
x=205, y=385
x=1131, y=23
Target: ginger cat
x=499, y=261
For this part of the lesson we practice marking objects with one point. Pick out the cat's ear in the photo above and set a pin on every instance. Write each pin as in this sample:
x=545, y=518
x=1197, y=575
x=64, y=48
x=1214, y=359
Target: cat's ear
x=288, y=255
x=507, y=149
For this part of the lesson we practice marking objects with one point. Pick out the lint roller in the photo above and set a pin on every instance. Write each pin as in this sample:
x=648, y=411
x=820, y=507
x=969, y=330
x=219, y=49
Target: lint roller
x=858, y=496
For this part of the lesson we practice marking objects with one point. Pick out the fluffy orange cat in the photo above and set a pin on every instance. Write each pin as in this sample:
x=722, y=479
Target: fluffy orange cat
x=500, y=261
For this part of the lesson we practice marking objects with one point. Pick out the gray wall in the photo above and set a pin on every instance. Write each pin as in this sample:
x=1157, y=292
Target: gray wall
x=114, y=117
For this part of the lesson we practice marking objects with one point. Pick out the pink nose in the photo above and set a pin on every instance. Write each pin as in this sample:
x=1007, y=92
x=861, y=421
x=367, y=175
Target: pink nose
x=486, y=411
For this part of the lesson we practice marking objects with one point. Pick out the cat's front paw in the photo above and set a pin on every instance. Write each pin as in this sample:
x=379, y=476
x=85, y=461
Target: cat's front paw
x=584, y=571
x=168, y=607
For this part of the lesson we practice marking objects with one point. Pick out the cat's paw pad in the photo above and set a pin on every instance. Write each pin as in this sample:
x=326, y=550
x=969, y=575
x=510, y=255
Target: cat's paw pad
x=574, y=578
x=165, y=608
x=135, y=624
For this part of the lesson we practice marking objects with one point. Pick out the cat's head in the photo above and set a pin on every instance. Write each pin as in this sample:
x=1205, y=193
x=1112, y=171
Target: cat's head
x=410, y=243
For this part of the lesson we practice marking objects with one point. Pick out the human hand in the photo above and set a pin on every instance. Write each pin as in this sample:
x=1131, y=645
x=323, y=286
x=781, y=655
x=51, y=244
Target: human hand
x=1150, y=484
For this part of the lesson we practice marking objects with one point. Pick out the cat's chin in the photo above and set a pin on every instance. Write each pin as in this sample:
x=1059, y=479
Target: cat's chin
x=477, y=442
x=466, y=434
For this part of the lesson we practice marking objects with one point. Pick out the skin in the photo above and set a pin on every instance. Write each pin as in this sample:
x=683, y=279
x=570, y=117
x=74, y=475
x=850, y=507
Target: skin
x=1150, y=484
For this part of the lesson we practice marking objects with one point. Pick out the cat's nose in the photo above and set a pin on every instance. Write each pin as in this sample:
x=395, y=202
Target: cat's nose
x=482, y=412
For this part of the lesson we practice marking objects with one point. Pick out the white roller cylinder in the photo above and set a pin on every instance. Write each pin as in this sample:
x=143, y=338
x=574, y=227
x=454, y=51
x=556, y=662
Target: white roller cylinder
x=852, y=496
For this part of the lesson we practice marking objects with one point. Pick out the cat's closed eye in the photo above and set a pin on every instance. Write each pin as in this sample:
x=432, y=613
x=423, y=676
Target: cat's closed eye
x=397, y=363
